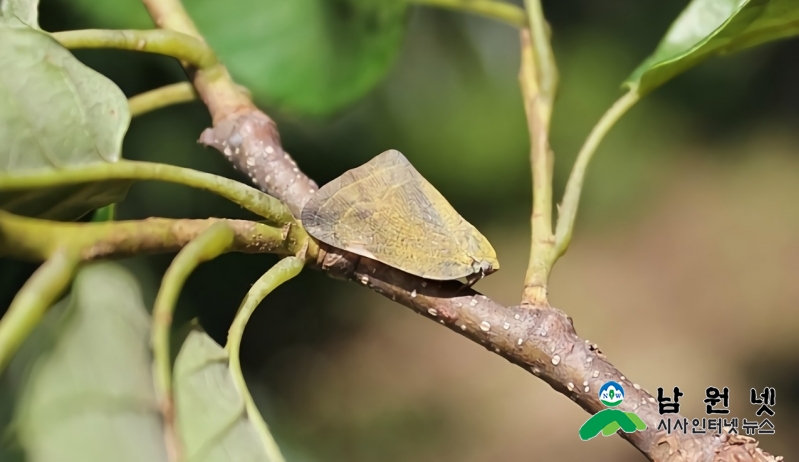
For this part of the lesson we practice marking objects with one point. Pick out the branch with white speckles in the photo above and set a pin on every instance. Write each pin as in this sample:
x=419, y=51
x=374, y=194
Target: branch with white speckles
x=250, y=140
x=541, y=340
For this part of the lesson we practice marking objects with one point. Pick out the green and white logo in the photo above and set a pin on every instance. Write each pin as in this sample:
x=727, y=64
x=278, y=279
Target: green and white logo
x=609, y=421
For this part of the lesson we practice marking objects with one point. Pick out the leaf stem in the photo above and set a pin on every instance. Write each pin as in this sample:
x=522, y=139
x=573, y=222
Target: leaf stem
x=33, y=300
x=284, y=270
x=567, y=211
x=494, y=9
x=271, y=209
x=176, y=93
x=210, y=244
x=164, y=42
x=539, y=81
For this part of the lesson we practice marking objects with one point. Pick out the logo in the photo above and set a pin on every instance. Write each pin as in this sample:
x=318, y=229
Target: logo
x=609, y=421
x=611, y=394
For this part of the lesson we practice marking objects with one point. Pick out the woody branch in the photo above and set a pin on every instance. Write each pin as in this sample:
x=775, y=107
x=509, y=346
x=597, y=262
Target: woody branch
x=541, y=340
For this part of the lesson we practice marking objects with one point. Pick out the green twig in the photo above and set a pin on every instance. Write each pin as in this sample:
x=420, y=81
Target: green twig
x=539, y=82
x=210, y=244
x=176, y=93
x=35, y=240
x=215, y=85
x=284, y=270
x=264, y=205
x=494, y=9
x=567, y=211
x=207, y=246
x=164, y=42
x=546, y=69
x=33, y=300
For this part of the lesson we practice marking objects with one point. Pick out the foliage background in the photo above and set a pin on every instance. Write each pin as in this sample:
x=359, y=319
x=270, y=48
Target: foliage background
x=683, y=265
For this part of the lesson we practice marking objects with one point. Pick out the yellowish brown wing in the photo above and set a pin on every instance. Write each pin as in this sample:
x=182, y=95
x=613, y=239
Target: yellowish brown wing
x=386, y=210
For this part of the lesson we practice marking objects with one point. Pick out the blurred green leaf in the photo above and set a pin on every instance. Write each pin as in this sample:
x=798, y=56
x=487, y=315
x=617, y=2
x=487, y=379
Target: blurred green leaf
x=20, y=12
x=305, y=56
x=709, y=27
x=56, y=113
x=12, y=381
x=90, y=397
x=210, y=410
x=106, y=213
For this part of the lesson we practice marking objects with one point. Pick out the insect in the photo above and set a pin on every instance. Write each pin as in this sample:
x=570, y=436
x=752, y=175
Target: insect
x=385, y=210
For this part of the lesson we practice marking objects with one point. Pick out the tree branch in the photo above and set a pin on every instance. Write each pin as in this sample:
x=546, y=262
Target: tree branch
x=246, y=136
x=542, y=341
x=63, y=245
x=538, y=86
x=32, y=239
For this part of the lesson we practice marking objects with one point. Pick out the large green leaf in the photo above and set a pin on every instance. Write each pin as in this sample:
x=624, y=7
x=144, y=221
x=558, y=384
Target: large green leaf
x=56, y=113
x=210, y=410
x=709, y=27
x=305, y=56
x=90, y=397
x=20, y=12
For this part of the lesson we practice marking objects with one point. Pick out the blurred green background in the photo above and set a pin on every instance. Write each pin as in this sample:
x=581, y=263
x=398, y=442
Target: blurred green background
x=688, y=229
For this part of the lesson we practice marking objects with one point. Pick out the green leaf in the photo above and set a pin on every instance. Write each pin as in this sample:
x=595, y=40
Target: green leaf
x=12, y=381
x=56, y=113
x=20, y=12
x=90, y=396
x=106, y=213
x=210, y=410
x=710, y=27
x=64, y=202
x=305, y=56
